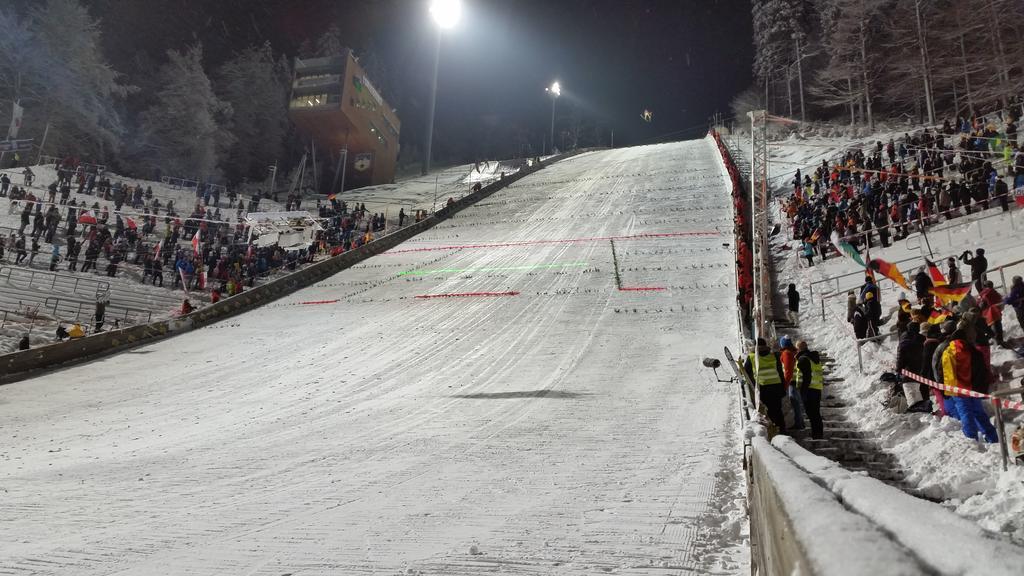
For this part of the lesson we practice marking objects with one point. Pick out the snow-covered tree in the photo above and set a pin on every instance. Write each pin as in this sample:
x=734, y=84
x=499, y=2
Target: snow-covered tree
x=778, y=26
x=184, y=130
x=907, y=84
x=745, y=102
x=52, y=62
x=929, y=58
x=255, y=85
x=330, y=43
x=21, y=58
x=852, y=34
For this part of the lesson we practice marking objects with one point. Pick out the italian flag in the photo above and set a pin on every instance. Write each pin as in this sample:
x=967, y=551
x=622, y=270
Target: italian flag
x=846, y=248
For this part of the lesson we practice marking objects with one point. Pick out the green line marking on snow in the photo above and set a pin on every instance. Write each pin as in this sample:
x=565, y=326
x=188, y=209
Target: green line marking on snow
x=494, y=269
x=615, y=261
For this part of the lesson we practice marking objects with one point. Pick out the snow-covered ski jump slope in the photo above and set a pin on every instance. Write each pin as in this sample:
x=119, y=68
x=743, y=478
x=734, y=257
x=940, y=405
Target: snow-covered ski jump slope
x=564, y=427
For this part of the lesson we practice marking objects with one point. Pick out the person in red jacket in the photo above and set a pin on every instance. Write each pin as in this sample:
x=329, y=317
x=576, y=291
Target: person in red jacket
x=787, y=356
x=990, y=301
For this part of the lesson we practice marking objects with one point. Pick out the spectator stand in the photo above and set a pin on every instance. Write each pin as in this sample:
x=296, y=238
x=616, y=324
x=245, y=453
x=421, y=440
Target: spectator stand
x=55, y=298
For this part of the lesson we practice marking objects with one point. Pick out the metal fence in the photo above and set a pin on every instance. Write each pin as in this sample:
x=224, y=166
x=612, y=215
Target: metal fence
x=56, y=160
x=191, y=184
x=54, y=282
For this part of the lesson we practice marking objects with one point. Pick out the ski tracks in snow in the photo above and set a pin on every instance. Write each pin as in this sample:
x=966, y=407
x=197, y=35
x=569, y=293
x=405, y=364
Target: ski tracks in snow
x=520, y=435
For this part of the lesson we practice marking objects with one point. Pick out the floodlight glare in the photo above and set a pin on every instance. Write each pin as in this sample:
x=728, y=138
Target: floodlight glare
x=556, y=89
x=446, y=13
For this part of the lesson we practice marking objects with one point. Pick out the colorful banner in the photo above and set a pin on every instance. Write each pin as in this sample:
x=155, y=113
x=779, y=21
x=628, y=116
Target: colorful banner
x=890, y=271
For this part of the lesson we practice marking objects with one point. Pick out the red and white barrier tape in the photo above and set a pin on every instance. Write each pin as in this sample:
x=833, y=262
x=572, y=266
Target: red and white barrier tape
x=1009, y=404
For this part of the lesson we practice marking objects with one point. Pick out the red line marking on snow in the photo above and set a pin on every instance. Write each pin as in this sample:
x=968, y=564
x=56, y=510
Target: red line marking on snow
x=466, y=295
x=311, y=302
x=564, y=241
x=642, y=289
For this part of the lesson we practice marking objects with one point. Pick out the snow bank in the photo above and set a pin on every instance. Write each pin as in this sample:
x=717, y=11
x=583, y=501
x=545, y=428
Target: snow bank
x=806, y=523
x=922, y=526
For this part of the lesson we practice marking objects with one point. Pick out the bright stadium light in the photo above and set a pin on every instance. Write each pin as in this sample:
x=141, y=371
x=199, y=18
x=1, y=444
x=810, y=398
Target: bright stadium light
x=446, y=13
x=555, y=90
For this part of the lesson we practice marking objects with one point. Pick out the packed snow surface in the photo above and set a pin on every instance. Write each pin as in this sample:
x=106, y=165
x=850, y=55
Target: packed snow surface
x=565, y=427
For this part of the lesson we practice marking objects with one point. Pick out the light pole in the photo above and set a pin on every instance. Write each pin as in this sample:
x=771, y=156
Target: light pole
x=555, y=90
x=446, y=14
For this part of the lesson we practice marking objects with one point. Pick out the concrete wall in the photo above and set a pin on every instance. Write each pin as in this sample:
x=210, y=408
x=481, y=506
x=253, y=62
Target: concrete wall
x=798, y=526
x=22, y=364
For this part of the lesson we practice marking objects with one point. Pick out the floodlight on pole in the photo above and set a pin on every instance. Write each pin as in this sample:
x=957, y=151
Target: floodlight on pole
x=555, y=90
x=446, y=14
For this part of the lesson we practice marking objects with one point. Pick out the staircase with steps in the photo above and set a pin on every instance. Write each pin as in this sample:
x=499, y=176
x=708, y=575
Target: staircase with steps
x=845, y=442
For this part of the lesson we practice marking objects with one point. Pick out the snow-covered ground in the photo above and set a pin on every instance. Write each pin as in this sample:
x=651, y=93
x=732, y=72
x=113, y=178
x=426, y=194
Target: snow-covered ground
x=434, y=189
x=353, y=428
x=940, y=460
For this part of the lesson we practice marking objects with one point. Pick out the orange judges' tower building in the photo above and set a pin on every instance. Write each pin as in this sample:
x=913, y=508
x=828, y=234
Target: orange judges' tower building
x=334, y=103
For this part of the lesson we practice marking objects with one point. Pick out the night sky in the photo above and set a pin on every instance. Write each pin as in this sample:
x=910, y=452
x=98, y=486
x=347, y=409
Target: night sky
x=682, y=59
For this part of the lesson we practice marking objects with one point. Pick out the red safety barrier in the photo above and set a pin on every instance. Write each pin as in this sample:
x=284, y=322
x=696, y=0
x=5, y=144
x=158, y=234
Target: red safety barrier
x=1010, y=404
x=744, y=261
x=466, y=295
x=312, y=302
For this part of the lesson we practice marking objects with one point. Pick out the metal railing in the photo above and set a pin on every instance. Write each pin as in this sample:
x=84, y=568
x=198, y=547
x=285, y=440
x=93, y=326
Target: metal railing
x=1002, y=272
x=191, y=184
x=63, y=308
x=1000, y=427
x=56, y=160
x=94, y=287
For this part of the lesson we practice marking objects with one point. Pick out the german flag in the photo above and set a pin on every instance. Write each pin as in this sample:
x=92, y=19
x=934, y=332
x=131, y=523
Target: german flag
x=951, y=294
x=939, y=316
x=938, y=279
x=889, y=270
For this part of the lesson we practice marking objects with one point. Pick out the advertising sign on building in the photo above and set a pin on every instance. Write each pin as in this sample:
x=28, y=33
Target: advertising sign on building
x=15, y=145
x=363, y=162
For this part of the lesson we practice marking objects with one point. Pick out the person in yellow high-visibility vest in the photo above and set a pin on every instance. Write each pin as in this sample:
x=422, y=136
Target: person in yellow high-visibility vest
x=811, y=381
x=765, y=369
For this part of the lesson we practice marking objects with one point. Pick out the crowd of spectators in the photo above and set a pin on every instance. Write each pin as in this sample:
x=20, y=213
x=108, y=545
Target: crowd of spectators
x=87, y=223
x=946, y=327
x=895, y=188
